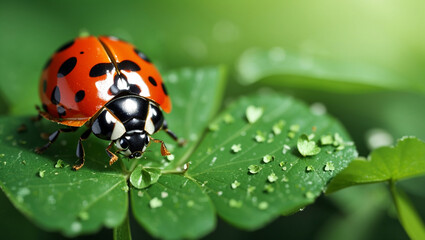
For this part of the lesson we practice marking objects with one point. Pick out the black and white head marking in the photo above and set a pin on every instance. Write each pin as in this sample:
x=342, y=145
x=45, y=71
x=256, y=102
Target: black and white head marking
x=107, y=126
x=133, y=144
x=129, y=121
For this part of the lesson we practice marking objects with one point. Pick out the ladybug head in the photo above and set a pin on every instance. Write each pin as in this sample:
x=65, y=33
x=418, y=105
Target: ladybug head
x=133, y=144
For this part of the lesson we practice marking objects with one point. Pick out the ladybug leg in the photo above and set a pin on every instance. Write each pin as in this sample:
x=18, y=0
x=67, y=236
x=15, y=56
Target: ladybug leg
x=164, y=151
x=52, y=138
x=180, y=141
x=112, y=156
x=80, y=149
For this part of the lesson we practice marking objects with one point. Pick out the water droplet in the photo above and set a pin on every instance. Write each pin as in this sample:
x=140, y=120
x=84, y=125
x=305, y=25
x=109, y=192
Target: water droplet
x=125, y=188
x=213, y=161
x=76, y=227
x=285, y=149
x=236, y=148
x=155, y=203
x=164, y=194
x=22, y=193
x=235, y=203
x=190, y=203
x=263, y=205
x=235, y=184
x=84, y=216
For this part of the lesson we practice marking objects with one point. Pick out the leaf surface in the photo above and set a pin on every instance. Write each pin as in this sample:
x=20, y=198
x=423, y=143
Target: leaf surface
x=406, y=159
x=266, y=190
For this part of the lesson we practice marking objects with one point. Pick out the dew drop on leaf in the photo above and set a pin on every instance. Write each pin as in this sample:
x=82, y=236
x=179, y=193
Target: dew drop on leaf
x=254, y=169
x=190, y=203
x=236, y=148
x=59, y=164
x=272, y=178
x=235, y=203
x=41, y=173
x=285, y=149
x=263, y=205
x=253, y=113
x=235, y=184
x=155, y=203
x=278, y=127
x=268, y=188
x=268, y=158
x=125, y=188
x=309, y=195
x=329, y=167
x=309, y=168
x=83, y=216
x=227, y=118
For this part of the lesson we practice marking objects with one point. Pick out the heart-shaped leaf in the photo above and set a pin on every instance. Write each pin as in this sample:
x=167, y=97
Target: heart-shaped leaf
x=246, y=190
x=405, y=160
x=144, y=177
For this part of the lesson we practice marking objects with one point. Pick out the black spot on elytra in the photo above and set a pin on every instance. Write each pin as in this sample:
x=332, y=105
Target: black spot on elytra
x=135, y=89
x=142, y=55
x=67, y=67
x=152, y=80
x=44, y=85
x=47, y=64
x=128, y=65
x=81, y=52
x=101, y=69
x=79, y=96
x=164, y=89
x=61, y=111
x=65, y=46
x=56, y=96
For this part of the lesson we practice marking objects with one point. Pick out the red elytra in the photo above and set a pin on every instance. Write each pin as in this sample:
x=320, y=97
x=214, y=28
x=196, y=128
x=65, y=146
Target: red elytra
x=80, y=78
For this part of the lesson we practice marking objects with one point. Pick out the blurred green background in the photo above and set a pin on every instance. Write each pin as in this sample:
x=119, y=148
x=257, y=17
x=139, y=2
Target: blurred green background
x=364, y=61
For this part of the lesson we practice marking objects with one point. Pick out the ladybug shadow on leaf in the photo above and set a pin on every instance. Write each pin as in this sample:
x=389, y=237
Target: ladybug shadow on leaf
x=27, y=135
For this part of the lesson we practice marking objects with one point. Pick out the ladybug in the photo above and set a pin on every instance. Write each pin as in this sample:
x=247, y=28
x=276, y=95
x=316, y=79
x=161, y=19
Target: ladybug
x=109, y=86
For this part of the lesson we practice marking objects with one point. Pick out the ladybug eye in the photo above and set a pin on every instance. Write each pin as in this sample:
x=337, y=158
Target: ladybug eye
x=123, y=143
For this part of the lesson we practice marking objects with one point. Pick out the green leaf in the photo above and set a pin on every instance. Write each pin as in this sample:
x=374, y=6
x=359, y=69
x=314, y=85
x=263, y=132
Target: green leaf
x=83, y=201
x=307, y=147
x=122, y=232
x=257, y=200
x=144, y=177
x=62, y=200
x=315, y=71
x=405, y=160
x=408, y=216
x=185, y=210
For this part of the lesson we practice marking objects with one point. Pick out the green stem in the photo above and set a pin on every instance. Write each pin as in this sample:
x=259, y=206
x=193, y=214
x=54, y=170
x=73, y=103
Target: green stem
x=407, y=215
x=122, y=232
